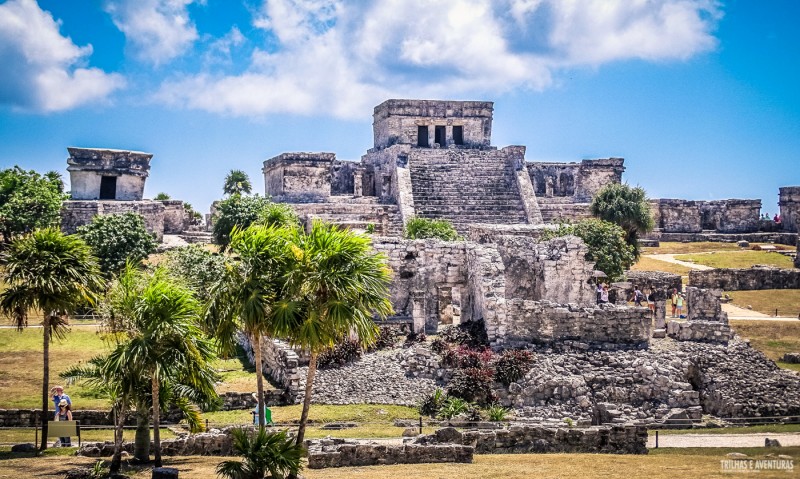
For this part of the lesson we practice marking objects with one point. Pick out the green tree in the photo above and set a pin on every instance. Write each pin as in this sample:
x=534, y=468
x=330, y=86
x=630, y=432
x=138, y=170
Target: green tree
x=263, y=452
x=54, y=274
x=244, y=297
x=243, y=211
x=422, y=228
x=159, y=341
x=236, y=183
x=161, y=196
x=605, y=242
x=118, y=239
x=28, y=201
x=198, y=267
x=627, y=207
x=334, y=284
x=195, y=218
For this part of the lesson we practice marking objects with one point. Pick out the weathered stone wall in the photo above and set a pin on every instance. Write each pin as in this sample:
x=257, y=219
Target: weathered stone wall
x=797, y=255
x=87, y=166
x=755, y=278
x=679, y=216
x=299, y=177
x=486, y=292
x=342, y=177
x=579, y=181
x=660, y=283
x=174, y=217
x=78, y=213
x=397, y=122
x=763, y=237
x=488, y=233
x=429, y=280
x=722, y=216
x=338, y=453
x=706, y=322
x=281, y=363
x=603, y=327
x=356, y=213
x=789, y=203
x=522, y=439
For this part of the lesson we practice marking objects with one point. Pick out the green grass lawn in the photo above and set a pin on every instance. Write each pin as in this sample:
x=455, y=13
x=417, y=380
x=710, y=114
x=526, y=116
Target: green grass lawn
x=786, y=301
x=683, y=248
x=647, y=263
x=773, y=428
x=738, y=259
x=17, y=436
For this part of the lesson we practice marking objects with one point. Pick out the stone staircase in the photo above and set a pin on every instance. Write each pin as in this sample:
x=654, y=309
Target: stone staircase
x=354, y=213
x=465, y=187
x=556, y=209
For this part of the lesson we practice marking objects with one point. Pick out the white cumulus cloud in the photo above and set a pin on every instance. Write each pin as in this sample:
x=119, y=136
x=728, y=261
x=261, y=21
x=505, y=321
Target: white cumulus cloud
x=342, y=57
x=43, y=70
x=157, y=30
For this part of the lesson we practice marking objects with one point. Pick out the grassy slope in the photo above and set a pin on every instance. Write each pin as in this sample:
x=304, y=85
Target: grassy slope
x=786, y=301
x=646, y=263
x=738, y=259
x=658, y=464
x=773, y=338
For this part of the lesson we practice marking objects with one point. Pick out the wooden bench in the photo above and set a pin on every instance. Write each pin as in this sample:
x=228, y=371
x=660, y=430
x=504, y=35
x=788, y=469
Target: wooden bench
x=64, y=429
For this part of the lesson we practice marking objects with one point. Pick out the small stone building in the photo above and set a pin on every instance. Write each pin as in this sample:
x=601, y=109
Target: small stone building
x=108, y=181
x=789, y=203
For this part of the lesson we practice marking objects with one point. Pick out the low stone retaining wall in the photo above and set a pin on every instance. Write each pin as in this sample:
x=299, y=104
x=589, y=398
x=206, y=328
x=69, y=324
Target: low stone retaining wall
x=755, y=278
x=87, y=417
x=701, y=331
x=762, y=237
x=613, y=439
x=338, y=453
x=213, y=443
x=232, y=401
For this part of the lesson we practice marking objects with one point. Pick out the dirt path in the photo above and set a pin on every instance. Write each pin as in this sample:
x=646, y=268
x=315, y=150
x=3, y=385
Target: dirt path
x=670, y=258
x=735, y=312
x=722, y=440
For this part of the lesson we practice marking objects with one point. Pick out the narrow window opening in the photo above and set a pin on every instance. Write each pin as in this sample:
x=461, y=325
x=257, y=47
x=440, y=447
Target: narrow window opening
x=458, y=135
x=108, y=188
x=440, y=135
x=422, y=136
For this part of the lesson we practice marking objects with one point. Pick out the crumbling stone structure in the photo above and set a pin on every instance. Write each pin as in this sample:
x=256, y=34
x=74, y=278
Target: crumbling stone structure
x=706, y=322
x=722, y=216
x=789, y=203
x=754, y=278
x=107, y=182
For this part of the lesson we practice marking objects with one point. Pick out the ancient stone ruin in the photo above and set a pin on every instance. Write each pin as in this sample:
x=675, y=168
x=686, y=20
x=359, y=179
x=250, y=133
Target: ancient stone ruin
x=107, y=182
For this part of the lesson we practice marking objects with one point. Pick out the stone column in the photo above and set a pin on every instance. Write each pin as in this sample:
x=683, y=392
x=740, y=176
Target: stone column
x=358, y=186
x=789, y=202
x=418, y=311
x=661, y=314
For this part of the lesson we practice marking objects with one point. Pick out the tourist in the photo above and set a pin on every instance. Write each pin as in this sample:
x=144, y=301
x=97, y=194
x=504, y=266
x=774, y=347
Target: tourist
x=58, y=395
x=679, y=305
x=599, y=292
x=64, y=413
x=777, y=219
x=637, y=296
x=604, y=294
x=648, y=296
x=674, y=300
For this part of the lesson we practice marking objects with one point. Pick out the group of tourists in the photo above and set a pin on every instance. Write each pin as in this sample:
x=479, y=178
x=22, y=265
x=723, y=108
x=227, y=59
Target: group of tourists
x=63, y=405
x=676, y=300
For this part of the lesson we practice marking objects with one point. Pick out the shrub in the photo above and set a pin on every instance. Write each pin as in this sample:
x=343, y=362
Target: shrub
x=472, y=384
x=117, y=239
x=242, y=211
x=496, y=412
x=431, y=403
x=422, y=228
x=452, y=407
x=198, y=267
x=438, y=346
x=512, y=365
x=605, y=243
x=161, y=197
x=470, y=333
x=386, y=339
x=464, y=357
x=343, y=353
x=273, y=453
x=414, y=338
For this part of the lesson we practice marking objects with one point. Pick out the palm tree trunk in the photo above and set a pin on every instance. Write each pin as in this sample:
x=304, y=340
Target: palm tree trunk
x=312, y=371
x=141, y=443
x=45, y=379
x=116, y=459
x=259, y=378
x=156, y=423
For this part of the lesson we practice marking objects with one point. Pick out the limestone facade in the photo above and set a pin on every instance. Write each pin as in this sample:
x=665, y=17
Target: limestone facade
x=754, y=278
x=105, y=174
x=722, y=216
x=789, y=203
x=75, y=214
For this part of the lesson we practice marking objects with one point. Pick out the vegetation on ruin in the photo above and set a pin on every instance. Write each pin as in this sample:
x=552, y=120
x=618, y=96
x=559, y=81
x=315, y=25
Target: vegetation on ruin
x=118, y=239
x=262, y=453
x=162, y=196
x=738, y=259
x=198, y=267
x=29, y=200
x=55, y=274
x=627, y=207
x=605, y=243
x=237, y=182
x=424, y=228
x=243, y=211
x=195, y=218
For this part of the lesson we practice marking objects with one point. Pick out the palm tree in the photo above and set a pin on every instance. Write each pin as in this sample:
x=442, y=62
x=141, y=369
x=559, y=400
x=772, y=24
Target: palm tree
x=263, y=452
x=627, y=207
x=53, y=273
x=334, y=284
x=236, y=183
x=161, y=343
x=243, y=298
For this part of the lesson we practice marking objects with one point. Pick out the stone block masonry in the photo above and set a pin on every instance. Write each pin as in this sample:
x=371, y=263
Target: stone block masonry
x=723, y=216
x=789, y=203
x=78, y=213
x=755, y=278
x=337, y=453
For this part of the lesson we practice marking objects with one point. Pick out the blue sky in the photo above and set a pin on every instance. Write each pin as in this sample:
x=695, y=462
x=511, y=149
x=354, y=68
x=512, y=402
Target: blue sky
x=700, y=97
